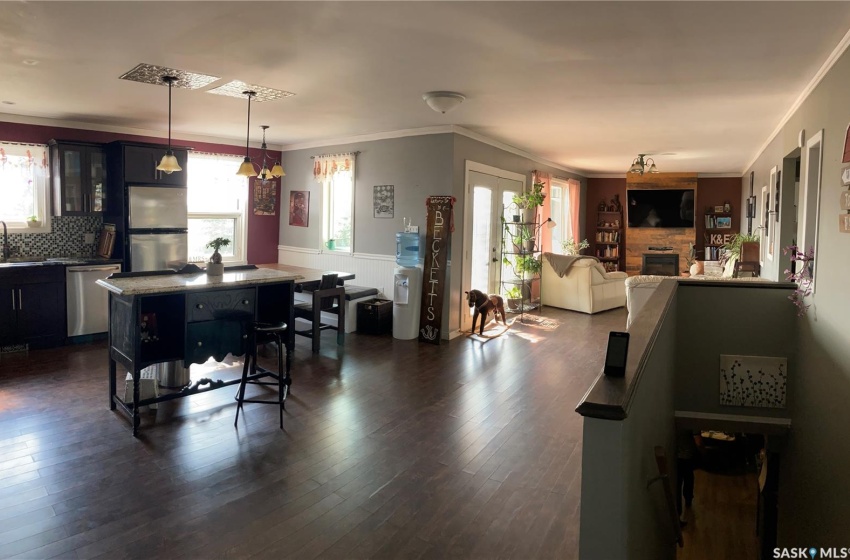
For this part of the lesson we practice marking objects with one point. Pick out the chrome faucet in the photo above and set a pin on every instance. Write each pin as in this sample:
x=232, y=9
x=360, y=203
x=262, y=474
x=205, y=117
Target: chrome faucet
x=5, y=242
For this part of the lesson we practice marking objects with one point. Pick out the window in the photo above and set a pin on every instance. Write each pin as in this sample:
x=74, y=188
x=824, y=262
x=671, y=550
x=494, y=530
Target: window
x=560, y=213
x=24, y=184
x=336, y=173
x=217, y=207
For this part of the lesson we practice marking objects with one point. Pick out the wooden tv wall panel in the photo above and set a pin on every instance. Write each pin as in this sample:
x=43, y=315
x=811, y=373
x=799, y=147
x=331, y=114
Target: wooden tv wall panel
x=638, y=240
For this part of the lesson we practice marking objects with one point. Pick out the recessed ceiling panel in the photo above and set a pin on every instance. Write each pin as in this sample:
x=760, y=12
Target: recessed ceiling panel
x=152, y=74
x=237, y=88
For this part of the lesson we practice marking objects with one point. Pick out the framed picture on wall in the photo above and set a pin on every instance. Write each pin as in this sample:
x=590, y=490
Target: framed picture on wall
x=383, y=201
x=299, y=208
x=724, y=222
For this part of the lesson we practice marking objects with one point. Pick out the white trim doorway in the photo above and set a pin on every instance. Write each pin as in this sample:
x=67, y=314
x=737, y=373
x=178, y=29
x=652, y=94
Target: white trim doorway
x=468, y=226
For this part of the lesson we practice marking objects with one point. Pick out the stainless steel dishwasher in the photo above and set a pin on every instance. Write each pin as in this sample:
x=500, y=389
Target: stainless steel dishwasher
x=88, y=303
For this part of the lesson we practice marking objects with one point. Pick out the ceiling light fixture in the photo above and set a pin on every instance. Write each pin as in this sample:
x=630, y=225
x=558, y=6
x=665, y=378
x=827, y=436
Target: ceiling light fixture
x=277, y=170
x=639, y=165
x=169, y=163
x=443, y=101
x=247, y=168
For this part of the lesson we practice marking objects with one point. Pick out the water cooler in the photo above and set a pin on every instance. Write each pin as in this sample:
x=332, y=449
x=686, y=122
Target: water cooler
x=407, y=285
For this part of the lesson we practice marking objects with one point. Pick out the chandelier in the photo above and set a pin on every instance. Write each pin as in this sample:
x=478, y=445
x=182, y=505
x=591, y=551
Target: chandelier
x=265, y=173
x=639, y=165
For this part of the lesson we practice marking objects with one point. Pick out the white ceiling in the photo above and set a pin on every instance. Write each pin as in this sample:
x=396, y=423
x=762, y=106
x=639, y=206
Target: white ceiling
x=587, y=85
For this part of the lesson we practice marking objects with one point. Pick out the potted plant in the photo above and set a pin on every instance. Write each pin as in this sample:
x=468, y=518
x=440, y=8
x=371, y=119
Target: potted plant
x=529, y=264
x=530, y=199
x=526, y=238
x=514, y=297
x=570, y=246
x=33, y=221
x=215, y=267
x=742, y=247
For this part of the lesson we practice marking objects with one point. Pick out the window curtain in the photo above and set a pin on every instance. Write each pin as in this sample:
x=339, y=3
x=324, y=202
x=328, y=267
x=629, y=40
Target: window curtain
x=24, y=174
x=545, y=211
x=325, y=167
x=574, y=188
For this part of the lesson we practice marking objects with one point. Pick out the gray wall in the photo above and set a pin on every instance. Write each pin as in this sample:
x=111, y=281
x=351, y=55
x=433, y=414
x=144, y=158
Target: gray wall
x=814, y=486
x=715, y=320
x=418, y=166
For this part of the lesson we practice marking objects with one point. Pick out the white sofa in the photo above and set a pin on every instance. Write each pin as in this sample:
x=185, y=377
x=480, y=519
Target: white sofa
x=586, y=287
x=639, y=288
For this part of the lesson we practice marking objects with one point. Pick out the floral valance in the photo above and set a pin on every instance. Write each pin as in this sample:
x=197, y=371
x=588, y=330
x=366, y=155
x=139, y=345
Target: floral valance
x=326, y=166
x=23, y=155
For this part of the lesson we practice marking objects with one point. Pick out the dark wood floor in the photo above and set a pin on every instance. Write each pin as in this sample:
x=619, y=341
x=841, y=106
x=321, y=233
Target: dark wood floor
x=391, y=449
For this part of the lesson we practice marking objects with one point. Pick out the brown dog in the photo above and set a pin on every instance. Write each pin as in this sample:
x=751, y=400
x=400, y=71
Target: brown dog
x=483, y=304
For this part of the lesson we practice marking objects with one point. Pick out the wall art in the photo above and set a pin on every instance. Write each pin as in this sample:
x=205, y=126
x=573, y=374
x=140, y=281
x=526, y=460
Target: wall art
x=299, y=208
x=383, y=201
x=757, y=381
x=265, y=197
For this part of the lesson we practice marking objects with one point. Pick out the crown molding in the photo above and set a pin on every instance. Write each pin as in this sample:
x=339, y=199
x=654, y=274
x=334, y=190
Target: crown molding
x=724, y=175
x=425, y=131
x=175, y=137
x=813, y=83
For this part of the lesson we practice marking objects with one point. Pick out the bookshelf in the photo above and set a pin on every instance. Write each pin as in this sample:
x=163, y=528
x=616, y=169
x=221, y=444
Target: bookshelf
x=718, y=232
x=608, y=242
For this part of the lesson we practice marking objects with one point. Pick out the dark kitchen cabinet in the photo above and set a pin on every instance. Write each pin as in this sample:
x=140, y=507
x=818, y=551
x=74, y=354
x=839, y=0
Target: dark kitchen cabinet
x=78, y=171
x=140, y=165
x=32, y=306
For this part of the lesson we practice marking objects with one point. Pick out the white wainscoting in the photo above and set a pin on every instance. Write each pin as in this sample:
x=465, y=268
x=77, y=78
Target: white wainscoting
x=373, y=271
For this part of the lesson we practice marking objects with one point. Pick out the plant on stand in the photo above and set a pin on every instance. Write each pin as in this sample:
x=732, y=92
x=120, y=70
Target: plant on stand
x=530, y=200
x=514, y=297
x=802, y=266
x=570, y=247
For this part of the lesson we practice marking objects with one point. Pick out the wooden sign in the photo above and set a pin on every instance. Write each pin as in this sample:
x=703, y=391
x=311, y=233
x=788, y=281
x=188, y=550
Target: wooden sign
x=845, y=200
x=844, y=223
x=437, y=238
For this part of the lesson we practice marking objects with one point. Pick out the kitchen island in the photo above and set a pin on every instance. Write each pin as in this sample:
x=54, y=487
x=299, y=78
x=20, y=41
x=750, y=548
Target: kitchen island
x=167, y=316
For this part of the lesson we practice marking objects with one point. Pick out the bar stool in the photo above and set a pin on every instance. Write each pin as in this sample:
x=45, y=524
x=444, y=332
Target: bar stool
x=261, y=333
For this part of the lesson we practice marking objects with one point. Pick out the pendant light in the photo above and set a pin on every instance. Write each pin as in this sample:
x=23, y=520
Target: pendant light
x=247, y=168
x=276, y=170
x=169, y=164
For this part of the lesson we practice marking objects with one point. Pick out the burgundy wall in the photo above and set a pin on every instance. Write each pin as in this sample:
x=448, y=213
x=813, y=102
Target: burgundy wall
x=711, y=191
x=597, y=190
x=262, y=230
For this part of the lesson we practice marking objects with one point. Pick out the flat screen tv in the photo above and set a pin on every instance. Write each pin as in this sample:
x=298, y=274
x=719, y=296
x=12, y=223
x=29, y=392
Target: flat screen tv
x=661, y=208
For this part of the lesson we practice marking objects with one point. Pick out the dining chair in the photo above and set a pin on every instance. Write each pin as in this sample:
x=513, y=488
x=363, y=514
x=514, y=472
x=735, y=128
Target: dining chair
x=329, y=298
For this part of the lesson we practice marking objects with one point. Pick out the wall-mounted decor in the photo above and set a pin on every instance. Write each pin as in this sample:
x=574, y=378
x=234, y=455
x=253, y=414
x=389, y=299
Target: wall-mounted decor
x=758, y=381
x=299, y=208
x=265, y=197
x=438, y=237
x=383, y=201
x=844, y=219
x=724, y=222
x=106, y=243
x=719, y=208
x=776, y=196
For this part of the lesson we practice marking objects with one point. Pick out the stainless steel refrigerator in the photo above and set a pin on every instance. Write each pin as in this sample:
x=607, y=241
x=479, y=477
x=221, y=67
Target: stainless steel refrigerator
x=157, y=228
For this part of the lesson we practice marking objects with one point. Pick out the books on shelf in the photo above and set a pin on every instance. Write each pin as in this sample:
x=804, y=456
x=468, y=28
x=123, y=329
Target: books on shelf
x=609, y=251
x=713, y=253
x=607, y=236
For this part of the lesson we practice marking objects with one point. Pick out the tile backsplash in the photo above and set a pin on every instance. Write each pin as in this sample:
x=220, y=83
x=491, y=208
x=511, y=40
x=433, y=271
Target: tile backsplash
x=65, y=240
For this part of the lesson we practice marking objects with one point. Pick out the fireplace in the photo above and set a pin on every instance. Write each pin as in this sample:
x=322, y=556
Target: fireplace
x=660, y=264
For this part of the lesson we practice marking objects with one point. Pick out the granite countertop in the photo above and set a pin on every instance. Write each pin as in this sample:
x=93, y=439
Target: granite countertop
x=173, y=283
x=24, y=262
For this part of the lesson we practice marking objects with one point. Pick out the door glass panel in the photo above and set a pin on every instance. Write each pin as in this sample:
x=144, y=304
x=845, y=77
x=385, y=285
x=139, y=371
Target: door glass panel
x=482, y=242
x=97, y=175
x=72, y=180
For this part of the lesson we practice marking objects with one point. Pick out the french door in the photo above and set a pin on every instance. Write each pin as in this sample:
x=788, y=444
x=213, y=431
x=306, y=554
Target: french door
x=489, y=191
